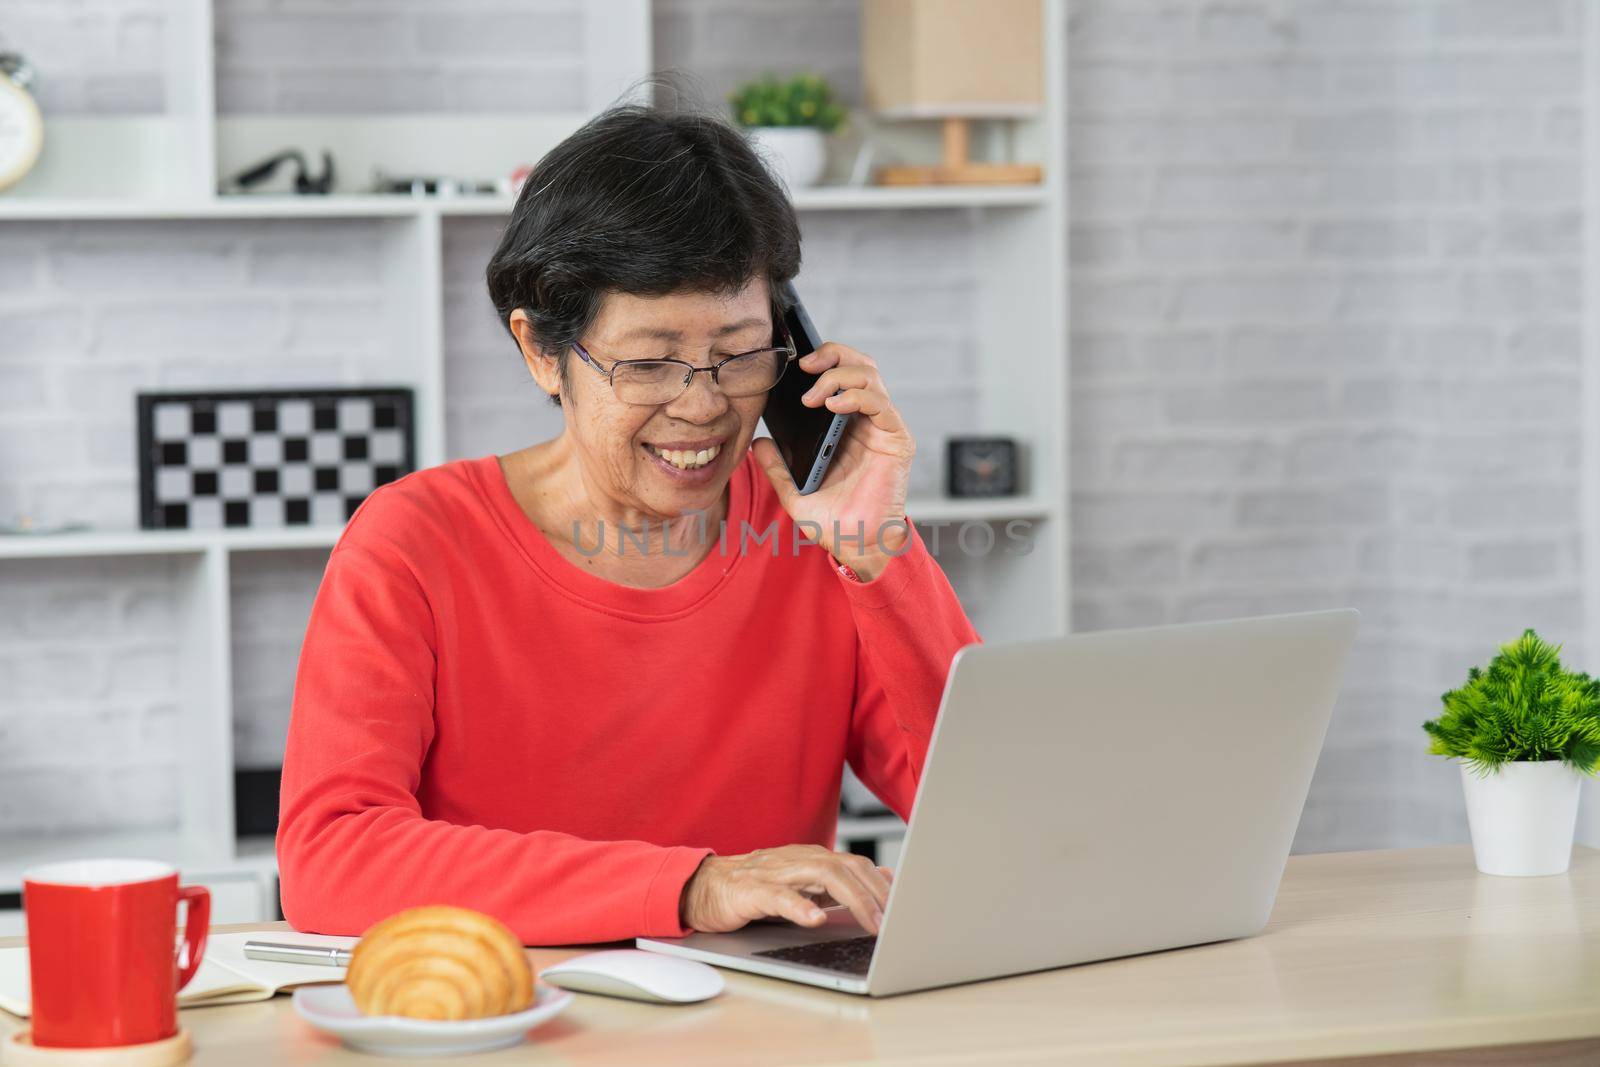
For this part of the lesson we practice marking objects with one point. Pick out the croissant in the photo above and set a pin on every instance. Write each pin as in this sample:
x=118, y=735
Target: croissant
x=440, y=962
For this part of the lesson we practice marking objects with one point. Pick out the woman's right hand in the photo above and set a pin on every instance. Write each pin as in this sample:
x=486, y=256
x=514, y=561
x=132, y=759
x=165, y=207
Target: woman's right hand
x=726, y=892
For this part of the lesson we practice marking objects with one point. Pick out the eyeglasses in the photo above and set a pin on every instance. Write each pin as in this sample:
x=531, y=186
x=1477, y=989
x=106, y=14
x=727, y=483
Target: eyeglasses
x=650, y=382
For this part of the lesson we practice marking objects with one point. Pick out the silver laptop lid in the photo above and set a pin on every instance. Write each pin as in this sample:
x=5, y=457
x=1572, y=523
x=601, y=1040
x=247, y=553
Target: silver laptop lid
x=1109, y=793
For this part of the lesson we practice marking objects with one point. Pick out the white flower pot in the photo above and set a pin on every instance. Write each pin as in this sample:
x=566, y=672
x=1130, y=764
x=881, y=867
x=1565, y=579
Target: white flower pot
x=796, y=153
x=1523, y=816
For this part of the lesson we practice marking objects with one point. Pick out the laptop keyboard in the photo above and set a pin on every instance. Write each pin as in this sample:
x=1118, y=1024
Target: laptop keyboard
x=853, y=955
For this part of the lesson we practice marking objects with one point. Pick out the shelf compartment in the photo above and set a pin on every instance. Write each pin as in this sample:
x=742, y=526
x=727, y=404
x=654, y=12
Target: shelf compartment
x=270, y=597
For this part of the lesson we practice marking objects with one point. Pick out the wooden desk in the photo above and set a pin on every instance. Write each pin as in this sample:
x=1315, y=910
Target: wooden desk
x=1370, y=958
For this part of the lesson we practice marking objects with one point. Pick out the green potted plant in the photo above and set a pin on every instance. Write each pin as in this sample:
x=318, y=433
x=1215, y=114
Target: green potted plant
x=1526, y=732
x=786, y=121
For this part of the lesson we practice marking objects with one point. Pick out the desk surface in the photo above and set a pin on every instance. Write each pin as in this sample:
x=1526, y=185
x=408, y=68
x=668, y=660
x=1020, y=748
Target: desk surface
x=1367, y=953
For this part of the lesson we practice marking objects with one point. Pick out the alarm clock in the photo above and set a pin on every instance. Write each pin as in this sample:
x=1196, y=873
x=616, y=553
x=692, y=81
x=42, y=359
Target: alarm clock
x=21, y=125
x=981, y=466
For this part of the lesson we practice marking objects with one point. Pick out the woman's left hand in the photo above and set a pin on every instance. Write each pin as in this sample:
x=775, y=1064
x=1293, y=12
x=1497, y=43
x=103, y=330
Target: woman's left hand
x=859, y=512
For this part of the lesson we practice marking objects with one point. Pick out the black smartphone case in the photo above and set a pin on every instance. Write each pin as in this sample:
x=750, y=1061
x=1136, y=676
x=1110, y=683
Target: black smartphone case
x=806, y=437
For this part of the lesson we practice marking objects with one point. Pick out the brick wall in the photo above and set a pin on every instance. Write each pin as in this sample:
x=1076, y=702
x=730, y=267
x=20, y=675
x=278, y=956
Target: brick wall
x=270, y=598
x=311, y=56
x=1326, y=340
x=492, y=403
x=92, y=312
x=1325, y=281
x=89, y=716
x=897, y=287
x=712, y=46
x=91, y=57
x=104, y=57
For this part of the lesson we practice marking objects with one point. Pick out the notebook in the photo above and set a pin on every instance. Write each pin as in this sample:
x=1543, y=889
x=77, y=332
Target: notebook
x=224, y=977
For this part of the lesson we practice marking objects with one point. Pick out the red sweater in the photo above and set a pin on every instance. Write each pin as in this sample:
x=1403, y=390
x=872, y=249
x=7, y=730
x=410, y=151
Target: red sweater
x=478, y=721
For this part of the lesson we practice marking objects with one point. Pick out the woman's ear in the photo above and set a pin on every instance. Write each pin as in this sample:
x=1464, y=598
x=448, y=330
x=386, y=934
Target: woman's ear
x=545, y=368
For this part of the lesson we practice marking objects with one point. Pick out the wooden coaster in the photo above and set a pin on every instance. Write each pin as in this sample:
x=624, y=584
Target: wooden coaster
x=19, y=1050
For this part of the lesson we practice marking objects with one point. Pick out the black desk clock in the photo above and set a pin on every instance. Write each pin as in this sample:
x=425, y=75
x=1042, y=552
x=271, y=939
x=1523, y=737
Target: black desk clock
x=981, y=466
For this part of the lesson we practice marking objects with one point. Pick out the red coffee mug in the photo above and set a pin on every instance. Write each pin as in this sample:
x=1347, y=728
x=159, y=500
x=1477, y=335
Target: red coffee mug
x=102, y=954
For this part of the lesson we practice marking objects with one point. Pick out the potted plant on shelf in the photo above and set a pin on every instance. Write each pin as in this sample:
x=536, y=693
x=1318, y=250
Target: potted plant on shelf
x=1526, y=732
x=787, y=120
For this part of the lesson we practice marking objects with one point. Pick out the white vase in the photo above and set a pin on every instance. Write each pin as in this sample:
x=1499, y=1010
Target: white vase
x=796, y=153
x=1523, y=816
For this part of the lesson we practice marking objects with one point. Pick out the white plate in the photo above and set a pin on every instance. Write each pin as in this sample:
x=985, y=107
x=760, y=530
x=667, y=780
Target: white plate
x=331, y=1008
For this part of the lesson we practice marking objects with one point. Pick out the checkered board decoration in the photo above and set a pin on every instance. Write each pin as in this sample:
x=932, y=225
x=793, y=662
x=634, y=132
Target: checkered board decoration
x=268, y=459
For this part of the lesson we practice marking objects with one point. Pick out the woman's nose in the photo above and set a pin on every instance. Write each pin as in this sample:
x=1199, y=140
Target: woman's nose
x=701, y=401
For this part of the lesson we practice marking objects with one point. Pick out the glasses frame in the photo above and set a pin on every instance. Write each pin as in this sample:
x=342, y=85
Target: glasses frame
x=690, y=370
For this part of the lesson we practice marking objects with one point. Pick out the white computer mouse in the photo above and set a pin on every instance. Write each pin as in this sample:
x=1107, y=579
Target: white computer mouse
x=637, y=975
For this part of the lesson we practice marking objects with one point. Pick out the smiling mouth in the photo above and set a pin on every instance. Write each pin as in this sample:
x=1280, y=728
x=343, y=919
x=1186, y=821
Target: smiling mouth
x=687, y=459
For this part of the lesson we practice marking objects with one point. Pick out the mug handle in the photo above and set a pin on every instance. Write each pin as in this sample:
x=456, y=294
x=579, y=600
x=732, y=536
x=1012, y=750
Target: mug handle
x=196, y=924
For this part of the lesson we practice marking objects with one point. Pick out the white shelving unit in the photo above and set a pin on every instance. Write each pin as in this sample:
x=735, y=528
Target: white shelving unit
x=369, y=205
x=172, y=167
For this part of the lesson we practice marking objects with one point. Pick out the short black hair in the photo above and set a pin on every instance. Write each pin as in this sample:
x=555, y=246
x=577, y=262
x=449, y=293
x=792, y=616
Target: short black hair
x=640, y=201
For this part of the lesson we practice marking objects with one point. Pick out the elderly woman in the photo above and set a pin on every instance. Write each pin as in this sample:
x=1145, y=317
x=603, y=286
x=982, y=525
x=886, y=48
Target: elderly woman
x=605, y=686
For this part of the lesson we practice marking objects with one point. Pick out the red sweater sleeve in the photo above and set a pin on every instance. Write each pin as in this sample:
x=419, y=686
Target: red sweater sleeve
x=353, y=845
x=909, y=627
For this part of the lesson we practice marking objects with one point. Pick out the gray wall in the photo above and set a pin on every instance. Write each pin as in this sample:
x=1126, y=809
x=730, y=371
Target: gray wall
x=1326, y=314
x=1326, y=340
x=298, y=57
x=96, y=57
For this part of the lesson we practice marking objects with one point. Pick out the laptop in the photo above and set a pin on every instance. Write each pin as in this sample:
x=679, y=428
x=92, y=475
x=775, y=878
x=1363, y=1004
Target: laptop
x=1084, y=798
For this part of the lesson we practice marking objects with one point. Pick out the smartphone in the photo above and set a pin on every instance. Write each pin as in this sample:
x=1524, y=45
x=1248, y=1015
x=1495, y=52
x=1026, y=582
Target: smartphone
x=806, y=437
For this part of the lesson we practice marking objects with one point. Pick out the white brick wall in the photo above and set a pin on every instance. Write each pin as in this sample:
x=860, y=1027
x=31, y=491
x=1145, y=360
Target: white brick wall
x=1325, y=280
x=1326, y=286
x=270, y=597
x=92, y=312
x=88, y=695
x=102, y=57
x=492, y=403
x=311, y=56
x=896, y=286
x=282, y=56
x=719, y=44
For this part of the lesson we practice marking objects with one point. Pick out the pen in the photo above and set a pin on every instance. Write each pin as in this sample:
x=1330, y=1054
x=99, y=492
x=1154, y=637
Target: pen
x=325, y=955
